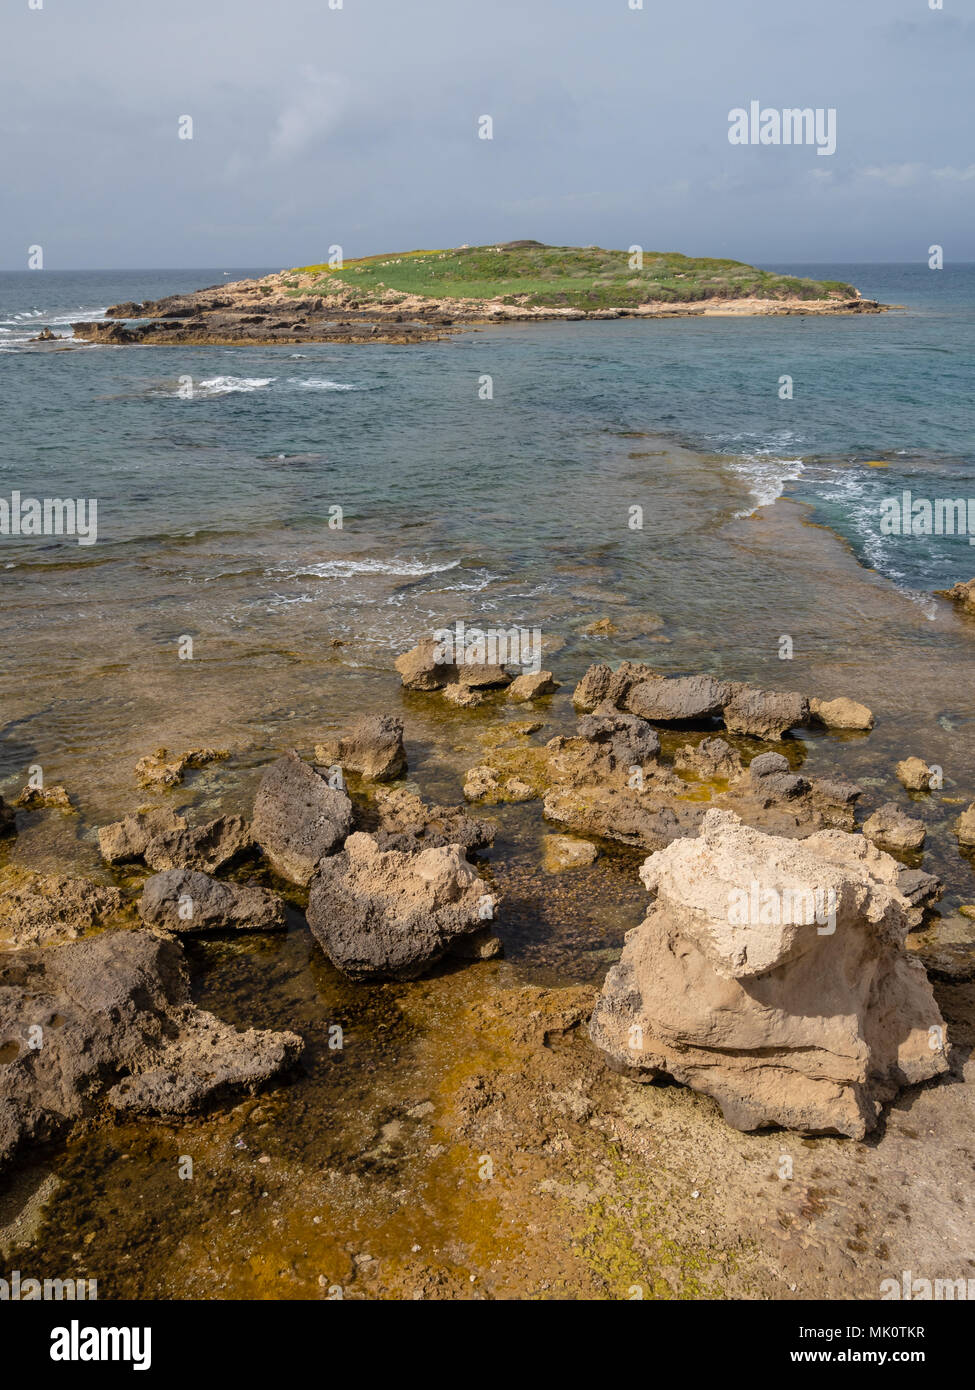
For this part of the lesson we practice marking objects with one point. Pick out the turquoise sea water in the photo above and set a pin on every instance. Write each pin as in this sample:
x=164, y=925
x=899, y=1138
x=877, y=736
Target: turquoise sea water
x=430, y=475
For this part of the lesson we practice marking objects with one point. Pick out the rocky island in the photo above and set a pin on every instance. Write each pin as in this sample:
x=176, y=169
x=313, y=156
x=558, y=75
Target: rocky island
x=415, y=296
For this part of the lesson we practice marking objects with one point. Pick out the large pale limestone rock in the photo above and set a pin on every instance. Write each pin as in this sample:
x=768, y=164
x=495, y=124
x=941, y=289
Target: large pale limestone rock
x=841, y=713
x=771, y=974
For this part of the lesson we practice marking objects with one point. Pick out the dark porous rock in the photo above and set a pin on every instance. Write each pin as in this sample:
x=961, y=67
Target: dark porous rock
x=922, y=890
x=183, y=901
x=373, y=749
x=205, y=847
x=603, y=683
x=670, y=699
x=774, y=780
x=117, y=1026
x=382, y=914
x=629, y=739
x=406, y=822
x=765, y=714
x=36, y=909
x=298, y=818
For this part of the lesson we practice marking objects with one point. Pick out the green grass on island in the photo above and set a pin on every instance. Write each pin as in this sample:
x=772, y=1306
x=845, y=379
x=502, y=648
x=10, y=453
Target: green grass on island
x=560, y=277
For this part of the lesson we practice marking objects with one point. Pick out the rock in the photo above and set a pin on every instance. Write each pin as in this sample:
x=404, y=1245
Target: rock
x=183, y=901
x=481, y=782
x=603, y=683
x=602, y=627
x=463, y=695
x=206, y=848
x=420, y=669
x=765, y=714
x=841, y=714
x=771, y=974
x=774, y=779
x=298, y=818
x=125, y=841
x=532, y=686
x=374, y=749
x=629, y=739
x=54, y=798
x=962, y=593
x=481, y=675
x=36, y=909
x=616, y=814
x=674, y=698
x=922, y=890
x=891, y=828
x=561, y=852
x=914, y=774
x=8, y=819
x=712, y=760
x=381, y=914
x=965, y=826
x=160, y=769
x=405, y=821
x=118, y=1026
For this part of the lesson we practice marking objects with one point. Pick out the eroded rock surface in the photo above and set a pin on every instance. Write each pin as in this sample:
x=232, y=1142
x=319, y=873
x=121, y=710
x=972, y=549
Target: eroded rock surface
x=407, y=822
x=892, y=828
x=373, y=749
x=298, y=818
x=113, y=1024
x=771, y=974
x=184, y=901
x=385, y=914
x=165, y=769
x=36, y=909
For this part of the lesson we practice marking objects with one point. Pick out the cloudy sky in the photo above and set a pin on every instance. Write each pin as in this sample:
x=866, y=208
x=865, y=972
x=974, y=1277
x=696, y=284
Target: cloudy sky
x=357, y=126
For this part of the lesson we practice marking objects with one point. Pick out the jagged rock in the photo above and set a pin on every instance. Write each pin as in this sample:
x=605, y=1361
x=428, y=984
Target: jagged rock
x=712, y=760
x=602, y=627
x=922, y=890
x=841, y=714
x=620, y=814
x=774, y=779
x=463, y=695
x=603, y=683
x=8, y=819
x=381, y=914
x=771, y=974
x=298, y=818
x=374, y=749
x=765, y=714
x=533, y=685
x=183, y=901
x=965, y=826
x=891, y=828
x=39, y=908
x=914, y=774
x=420, y=669
x=118, y=1026
x=561, y=852
x=481, y=675
x=406, y=822
x=206, y=848
x=481, y=782
x=668, y=699
x=962, y=593
x=160, y=769
x=629, y=739
x=53, y=798
x=125, y=841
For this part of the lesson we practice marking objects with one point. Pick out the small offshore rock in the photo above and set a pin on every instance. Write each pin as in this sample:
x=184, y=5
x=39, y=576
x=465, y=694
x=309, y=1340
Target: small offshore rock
x=183, y=901
x=162, y=769
x=561, y=852
x=841, y=713
x=298, y=818
x=533, y=685
x=373, y=749
x=891, y=828
x=914, y=774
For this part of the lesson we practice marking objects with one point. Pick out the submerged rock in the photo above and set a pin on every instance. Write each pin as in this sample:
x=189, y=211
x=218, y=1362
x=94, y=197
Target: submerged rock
x=53, y=798
x=965, y=826
x=110, y=1021
x=373, y=749
x=407, y=822
x=841, y=714
x=890, y=827
x=561, y=852
x=384, y=914
x=914, y=774
x=8, y=819
x=162, y=769
x=712, y=760
x=771, y=974
x=36, y=909
x=184, y=901
x=298, y=818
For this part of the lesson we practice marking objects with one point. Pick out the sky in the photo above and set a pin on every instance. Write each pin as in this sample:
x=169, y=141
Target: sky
x=358, y=126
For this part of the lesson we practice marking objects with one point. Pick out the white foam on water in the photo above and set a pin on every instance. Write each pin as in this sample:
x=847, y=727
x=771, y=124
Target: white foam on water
x=347, y=569
x=314, y=383
x=765, y=477
x=228, y=385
